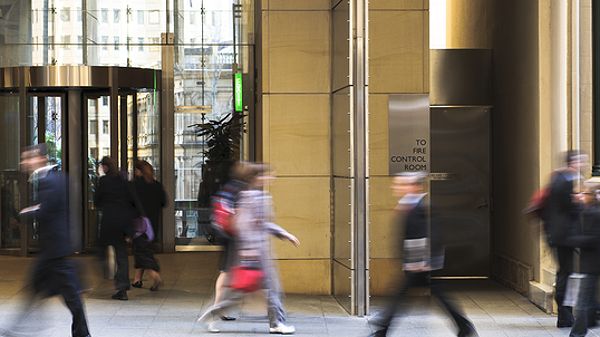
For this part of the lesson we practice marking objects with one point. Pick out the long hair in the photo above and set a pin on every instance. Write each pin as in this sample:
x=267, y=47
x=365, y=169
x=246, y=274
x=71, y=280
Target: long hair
x=146, y=169
x=111, y=165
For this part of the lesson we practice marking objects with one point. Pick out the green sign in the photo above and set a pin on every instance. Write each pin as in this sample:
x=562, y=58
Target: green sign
x=238, y=93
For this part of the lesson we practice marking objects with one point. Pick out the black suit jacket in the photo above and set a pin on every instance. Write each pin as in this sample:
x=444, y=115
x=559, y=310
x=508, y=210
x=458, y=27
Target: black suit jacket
x=560, y=212
x=53, y=217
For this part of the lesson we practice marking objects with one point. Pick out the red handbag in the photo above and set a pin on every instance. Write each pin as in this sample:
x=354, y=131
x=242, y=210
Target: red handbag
x=246, y=279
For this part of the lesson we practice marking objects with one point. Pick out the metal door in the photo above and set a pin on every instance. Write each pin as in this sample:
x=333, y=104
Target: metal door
x=460, y=188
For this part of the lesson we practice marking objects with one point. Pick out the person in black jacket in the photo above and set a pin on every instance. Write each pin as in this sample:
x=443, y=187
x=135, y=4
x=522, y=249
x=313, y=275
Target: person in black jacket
x=152, y=198
x=115, y=201
x=560, y=217
x=588, y=242
x=53, y=273
x=419, y=258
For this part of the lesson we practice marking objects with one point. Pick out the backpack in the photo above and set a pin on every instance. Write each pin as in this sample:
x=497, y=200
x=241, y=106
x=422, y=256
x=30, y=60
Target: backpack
x=223, y=208
x=537, y=203
x=223, y=212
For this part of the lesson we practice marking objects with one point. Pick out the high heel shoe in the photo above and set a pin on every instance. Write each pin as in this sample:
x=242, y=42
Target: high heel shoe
x=137, y=284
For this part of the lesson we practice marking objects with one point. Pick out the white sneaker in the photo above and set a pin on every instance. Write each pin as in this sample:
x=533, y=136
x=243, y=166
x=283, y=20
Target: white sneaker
x=212, y=327
x=283, y=329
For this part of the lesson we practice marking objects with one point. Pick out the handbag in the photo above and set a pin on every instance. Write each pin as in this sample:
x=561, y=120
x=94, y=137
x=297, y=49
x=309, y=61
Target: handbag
x=246, y=277
x=573, y=289
x=142, y=225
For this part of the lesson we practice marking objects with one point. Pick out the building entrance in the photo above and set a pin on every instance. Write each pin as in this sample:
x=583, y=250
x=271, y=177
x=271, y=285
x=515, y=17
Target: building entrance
x=82, y=113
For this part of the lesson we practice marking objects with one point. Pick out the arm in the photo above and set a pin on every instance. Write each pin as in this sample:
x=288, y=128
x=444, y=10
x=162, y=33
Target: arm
x=266, y=215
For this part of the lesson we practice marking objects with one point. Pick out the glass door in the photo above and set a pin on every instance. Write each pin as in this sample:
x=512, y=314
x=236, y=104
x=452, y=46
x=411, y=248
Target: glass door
x=45, y=125
x=97, y=121
x=10, y=178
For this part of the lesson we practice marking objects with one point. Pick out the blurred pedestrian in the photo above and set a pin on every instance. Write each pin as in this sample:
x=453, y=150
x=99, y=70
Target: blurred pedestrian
x=114, y=199
x=560, y=215
x=152, y=198
x=588, y=241
x=254, y=227
x=230, y=193
x=53, y=273
x=418, y=258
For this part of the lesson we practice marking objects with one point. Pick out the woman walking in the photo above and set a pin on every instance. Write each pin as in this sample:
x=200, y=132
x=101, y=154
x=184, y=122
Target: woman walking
x=152, y=198
x=254, y=226
x=114, y=199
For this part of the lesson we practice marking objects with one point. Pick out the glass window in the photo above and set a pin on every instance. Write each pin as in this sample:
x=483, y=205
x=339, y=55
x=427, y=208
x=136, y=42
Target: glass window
x=141, y=43
x=66, y=41
x=65, y=14
x=79, y=14
x=105, y=129
x=104, y=100
x=140, y=17
x=79, y=41
x=154, y=17
x=116, y=15
x=93, y=127
x=105, y=42
x=104, y=15
x=116, y=39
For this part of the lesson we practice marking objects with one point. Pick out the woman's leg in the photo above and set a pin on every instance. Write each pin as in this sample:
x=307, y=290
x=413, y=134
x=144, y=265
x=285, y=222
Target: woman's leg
x=139, y=274
x=219, y=285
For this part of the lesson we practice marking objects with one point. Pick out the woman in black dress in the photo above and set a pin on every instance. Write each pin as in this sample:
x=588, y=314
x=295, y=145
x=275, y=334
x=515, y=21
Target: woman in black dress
x=152, y=198
x=114, y=199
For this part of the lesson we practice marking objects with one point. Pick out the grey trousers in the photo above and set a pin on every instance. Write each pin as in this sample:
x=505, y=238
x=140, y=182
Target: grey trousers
x=271, y=285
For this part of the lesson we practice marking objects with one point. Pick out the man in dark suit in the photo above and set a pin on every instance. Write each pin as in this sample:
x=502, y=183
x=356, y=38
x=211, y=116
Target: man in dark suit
x=53, y=273
x=560, y=215
x=419, y=257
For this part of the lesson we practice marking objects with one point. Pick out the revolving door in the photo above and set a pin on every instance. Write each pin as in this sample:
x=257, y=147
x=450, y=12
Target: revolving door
x=82, y=113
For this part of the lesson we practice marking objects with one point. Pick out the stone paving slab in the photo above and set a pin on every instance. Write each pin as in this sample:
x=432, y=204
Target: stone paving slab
x=172, y=311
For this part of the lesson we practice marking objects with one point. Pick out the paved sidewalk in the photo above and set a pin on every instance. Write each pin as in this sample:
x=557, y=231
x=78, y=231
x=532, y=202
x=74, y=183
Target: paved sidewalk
x=189, y=278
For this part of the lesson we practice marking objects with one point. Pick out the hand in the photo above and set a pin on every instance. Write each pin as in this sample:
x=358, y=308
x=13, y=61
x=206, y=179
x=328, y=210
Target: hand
x=293, y=240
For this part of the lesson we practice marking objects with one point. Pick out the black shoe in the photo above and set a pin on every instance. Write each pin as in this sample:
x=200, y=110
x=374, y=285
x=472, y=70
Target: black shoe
x=564, y=324
x=379, y=333
x=228, y=318
x=467, y=332
x=137, y=284
x=120, y=295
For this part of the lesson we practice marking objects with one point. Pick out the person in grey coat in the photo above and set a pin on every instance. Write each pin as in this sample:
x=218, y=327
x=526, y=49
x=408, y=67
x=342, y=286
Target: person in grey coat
x=254, y=226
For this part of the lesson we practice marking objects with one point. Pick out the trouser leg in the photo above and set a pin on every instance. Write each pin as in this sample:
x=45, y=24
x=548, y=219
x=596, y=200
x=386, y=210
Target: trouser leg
x=276, y=311
x=229, y=298
x=70, y=294
x=384, y=319
x=122, y=275
x=585, y=302
x=451, y=308
x=564, y=257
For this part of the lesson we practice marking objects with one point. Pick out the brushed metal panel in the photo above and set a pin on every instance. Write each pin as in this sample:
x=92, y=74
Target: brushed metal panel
x=460, y=76
x=342, y=230
x=342, y=285
x=408, y=133
x=341, y=45
x=460, y=147
x=340, y=133
x=9, y=77
x=79, y=77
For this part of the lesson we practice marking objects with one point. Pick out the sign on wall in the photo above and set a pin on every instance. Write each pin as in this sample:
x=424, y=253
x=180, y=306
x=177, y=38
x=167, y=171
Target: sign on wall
x=408, y=133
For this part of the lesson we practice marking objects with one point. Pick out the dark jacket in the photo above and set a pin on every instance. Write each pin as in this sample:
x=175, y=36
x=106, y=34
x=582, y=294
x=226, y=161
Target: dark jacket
x=588, y=240
x=560, y=212
x=153, y=198
x=113, y=197
x=54, y=233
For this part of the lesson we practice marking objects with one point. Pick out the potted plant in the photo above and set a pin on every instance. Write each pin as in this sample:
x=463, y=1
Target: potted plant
x=222, y=139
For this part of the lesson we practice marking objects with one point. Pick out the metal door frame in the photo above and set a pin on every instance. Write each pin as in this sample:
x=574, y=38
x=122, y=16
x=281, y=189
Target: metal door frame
x=72, y=83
